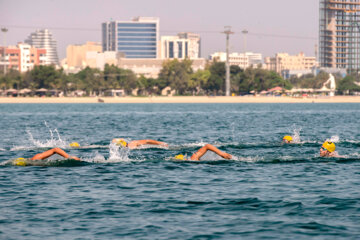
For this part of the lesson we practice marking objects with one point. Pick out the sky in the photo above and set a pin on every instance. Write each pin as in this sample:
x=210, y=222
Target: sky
x=273, y=25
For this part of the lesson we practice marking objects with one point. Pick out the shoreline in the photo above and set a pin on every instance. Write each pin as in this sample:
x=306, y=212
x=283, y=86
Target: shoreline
x=182, y=99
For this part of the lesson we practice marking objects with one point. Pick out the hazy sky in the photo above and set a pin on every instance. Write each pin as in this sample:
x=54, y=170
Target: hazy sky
x=273, y=25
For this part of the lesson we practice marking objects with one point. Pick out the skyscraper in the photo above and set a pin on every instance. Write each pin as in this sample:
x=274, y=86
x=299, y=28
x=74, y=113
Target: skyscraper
x=339, y=35
x=136, y=39
x=43, y=39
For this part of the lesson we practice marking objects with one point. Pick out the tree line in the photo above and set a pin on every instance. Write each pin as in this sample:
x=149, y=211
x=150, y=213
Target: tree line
x=176, y=74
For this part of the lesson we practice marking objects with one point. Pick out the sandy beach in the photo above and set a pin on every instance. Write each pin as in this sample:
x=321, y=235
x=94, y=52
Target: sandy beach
x=182, y=99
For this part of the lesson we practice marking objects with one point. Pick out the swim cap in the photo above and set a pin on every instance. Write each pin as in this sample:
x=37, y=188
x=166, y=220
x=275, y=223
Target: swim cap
x=20, y=162
x=120, y=141
x=288, y=138
x=330, y=146
x=180, y=157
x=74, y=144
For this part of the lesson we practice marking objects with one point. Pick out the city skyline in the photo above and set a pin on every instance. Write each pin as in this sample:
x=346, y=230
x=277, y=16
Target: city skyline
x=277, y=26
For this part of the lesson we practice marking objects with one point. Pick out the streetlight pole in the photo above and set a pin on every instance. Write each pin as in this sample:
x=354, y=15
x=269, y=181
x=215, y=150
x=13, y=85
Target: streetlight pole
x=227, y=80
x=245, y=32
x=4, y=30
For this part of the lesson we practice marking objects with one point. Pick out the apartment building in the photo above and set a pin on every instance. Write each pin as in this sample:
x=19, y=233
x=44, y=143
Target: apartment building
x=184, y=45
x=24, y=57
x=76, y=54
x=284, y=62
x=243, y=60
x=339, y=36
x=43, y=39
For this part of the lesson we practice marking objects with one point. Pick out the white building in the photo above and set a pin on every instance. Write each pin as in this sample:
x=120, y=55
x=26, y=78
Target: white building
x=243, y=60
x=43, y=39
x=184, y=45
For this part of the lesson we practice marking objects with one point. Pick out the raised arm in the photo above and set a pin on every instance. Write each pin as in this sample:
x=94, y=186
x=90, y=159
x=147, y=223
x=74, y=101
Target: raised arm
x=48, y=153
x=209, y=147
x=137, y=143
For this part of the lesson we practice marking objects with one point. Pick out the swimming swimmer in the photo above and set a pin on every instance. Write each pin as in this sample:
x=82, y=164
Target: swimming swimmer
x=137, y=143
x=208, y=147
x=328, y=150
x=287, y=139
x=48, y=153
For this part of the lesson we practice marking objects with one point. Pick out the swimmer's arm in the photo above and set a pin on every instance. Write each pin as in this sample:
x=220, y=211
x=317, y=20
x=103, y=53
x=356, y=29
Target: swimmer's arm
x=137, y=143
x=48, y=153
x=208, y=147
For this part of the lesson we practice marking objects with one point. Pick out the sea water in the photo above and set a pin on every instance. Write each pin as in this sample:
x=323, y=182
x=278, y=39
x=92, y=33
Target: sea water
x=267, y=191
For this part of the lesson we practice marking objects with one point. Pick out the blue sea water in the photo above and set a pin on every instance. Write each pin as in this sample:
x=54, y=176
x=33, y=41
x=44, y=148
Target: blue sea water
x=268, y=191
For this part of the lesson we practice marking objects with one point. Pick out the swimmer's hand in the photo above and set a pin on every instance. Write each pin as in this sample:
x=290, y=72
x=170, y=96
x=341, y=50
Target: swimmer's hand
x=227, y=156
x=75, y=158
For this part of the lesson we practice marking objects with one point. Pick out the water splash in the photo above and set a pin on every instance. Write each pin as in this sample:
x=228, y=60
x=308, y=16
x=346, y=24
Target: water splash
x=296, y=133
x=55, y=140
x=334, y=139
x=118, y=153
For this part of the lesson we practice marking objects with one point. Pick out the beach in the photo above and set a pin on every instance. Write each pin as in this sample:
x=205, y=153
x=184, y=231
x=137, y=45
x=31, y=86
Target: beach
x=183, y=99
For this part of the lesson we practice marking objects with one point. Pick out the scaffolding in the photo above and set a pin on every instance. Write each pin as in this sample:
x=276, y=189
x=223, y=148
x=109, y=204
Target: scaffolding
x=339, y=34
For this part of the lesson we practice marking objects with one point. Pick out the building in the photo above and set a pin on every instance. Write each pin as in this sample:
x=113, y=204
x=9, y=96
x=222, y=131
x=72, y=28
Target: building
x=339, y=35
x=24, y=57
x=283, y=62
x=76, y=54
x=98, y=60
x=146, y=67
x=43, y=39
x=243, y=60
x=184, y=45
x=136, y=39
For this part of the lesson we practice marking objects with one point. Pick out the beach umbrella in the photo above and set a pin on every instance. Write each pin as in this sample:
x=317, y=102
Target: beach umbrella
x=11, y=90
x=42, y=90
x=24, y=91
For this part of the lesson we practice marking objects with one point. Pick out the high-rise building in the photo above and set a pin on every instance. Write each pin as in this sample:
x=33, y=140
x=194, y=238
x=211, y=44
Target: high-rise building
x=44, y=39
x=339, y=35
x=136, y=39
x=184, y=45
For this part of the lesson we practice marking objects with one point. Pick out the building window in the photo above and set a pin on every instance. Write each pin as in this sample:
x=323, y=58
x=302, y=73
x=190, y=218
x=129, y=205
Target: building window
x=171, y=49
x=180, y=49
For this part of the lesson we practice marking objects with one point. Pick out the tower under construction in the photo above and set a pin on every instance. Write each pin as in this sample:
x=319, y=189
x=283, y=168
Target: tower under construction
x=339, y=34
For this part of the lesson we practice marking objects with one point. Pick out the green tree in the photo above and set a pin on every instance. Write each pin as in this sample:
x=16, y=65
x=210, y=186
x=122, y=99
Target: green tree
x=116, y=78
x=176, y=74
x=198, y=80
x=45, y=76
x=347, y=85
x=12, y=79
x=216, y=81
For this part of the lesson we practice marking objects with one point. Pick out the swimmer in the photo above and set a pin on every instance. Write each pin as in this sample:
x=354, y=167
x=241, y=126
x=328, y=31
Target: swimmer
x=287, y=139
x=328, y=150
x=48, y=153
x=137, y=143
x=208, y=147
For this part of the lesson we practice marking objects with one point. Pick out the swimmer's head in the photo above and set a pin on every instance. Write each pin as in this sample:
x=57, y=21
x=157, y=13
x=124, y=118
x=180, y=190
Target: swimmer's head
x=180, y=157
x=20, y=162
x=287, y=139
x=74, y=144
x=120, y=141
x=329, y=146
